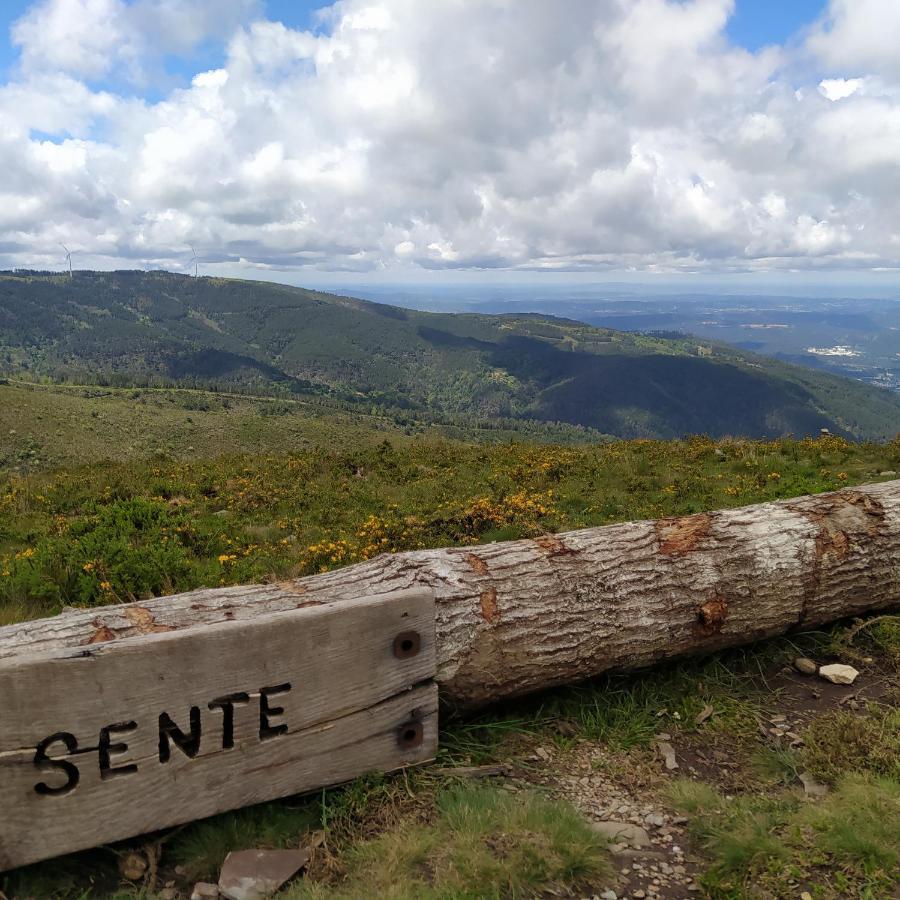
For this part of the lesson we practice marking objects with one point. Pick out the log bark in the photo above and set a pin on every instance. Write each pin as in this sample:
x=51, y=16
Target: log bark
x=519, y=616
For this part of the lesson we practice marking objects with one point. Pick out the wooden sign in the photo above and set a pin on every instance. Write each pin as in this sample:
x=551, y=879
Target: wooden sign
x=114, y=739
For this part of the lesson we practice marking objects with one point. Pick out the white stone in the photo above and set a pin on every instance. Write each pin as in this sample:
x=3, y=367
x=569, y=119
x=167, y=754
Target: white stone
x=622, y=832
x=837, y=673
x=205, y=891
x=256, y=874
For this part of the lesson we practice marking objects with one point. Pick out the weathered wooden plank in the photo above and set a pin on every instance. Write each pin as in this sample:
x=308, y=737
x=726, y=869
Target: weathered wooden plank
x=119, y=738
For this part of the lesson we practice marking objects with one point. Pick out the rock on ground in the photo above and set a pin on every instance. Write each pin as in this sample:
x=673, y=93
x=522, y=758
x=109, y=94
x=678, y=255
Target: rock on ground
x=256, y=874
x=839, y=674
x=622, y=833
x=805, y=666
x=205, y=891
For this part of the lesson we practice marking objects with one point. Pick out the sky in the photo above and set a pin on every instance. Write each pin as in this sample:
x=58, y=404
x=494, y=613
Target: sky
x=396, y=140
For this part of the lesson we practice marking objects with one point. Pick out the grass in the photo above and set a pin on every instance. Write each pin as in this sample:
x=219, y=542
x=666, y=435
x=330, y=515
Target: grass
x=844, y=845
x=117, y=531
x=629, y=711
x=44, y=427
x=47, y=426
x=877, y=636
x=84, y=535
x=443, y=840
x=201, y=849
x=848, y=844
x=632, y=710
x=424, y=834
x=843, y=741
x=479, y=842
x=778, y=765
x=859, y=826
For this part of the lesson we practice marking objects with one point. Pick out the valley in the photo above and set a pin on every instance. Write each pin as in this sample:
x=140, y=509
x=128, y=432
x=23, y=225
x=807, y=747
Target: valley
x=160, y=433
x=858, y=337
x=156, y=329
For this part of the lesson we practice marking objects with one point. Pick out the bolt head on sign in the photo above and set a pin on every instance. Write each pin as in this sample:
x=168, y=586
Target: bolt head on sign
x=109, y=740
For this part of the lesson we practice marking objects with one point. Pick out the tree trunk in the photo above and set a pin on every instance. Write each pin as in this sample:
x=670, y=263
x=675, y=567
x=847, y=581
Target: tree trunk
x=523, y=615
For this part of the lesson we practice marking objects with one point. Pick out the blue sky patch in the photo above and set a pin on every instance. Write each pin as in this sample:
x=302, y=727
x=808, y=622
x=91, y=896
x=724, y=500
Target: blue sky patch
x=759, y=23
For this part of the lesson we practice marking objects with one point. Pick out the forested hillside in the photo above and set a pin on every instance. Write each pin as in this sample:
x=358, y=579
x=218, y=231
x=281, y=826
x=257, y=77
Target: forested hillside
x=157, y=328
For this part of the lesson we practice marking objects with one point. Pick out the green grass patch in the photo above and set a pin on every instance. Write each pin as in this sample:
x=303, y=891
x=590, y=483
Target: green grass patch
x=778, y=765
x=629, y=711
x=859, y=826
x=88, y=535
x=842, y=741
x=480, y=842
x=878, y=636
x=846, y=845
x=325, y=501
x=625, y=712
x=118, y=531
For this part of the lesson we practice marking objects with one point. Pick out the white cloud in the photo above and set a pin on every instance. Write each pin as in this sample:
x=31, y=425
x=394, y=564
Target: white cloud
x=840, y=88
x=91, y=38
x=81, y=37
x=859, y=37
x=471, y=133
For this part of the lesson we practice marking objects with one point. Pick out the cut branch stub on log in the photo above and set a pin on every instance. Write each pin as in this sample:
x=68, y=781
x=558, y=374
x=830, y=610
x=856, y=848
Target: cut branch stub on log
x=523, y=615
x=118, y=738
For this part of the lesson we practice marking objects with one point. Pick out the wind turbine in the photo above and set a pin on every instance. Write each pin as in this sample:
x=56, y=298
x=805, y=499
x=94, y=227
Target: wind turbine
x=68, y=258
x=194, y=260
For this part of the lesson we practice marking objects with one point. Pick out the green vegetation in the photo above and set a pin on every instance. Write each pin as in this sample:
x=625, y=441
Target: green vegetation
x=198, y=503
x=480, y=842
x=44, y=426
x=430, y=834
x=160, y=329
x=91, y=535
x=849, y=842
x=843, y=741
x=452, y=842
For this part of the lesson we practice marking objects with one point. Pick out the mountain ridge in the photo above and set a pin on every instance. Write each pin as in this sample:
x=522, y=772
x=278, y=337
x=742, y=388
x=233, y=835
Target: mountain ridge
x=136, y=327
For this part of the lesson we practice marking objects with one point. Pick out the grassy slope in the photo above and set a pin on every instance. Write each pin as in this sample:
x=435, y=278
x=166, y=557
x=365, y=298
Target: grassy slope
x=290, y=494
x=88, y=534
x=51, y=426
x=134, y=325
x=43, y=426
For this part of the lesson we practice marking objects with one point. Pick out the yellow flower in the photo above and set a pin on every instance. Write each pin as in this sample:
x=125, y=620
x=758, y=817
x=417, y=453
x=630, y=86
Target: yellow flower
x=88, y=567
x=105, y=586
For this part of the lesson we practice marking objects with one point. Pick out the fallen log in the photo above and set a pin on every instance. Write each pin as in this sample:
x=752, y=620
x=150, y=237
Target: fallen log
x=522, y=615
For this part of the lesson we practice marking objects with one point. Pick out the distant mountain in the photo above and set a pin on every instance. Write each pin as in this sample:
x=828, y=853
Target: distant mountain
x=157, y=327
x=858, y=337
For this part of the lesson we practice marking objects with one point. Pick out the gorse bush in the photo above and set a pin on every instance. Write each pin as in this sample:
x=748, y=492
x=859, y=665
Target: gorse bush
x=122, y=531
x=129, y=549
